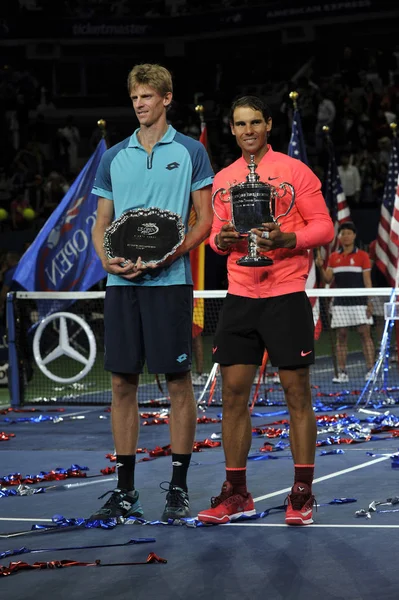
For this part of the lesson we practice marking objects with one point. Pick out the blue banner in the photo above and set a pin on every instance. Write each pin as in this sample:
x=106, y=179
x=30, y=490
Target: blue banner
x=62, y=256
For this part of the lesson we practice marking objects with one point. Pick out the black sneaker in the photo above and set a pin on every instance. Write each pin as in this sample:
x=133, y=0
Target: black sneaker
x=120, y=505
x=177, y=504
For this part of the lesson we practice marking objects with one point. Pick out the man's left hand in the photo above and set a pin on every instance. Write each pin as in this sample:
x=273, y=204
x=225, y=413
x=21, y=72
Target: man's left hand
x=271, y=237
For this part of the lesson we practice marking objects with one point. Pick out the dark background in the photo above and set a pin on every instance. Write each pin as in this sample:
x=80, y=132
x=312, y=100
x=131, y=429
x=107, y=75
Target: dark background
x=64, y=58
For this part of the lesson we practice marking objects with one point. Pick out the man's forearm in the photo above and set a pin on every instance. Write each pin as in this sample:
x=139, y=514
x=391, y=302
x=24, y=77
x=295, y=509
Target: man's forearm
x=98, y=242
x=194, y=237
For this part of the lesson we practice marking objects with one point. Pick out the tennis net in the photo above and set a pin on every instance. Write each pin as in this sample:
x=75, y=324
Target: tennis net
x=56, y=349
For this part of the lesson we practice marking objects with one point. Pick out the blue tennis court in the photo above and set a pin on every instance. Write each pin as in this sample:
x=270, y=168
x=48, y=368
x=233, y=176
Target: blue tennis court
x=340, y=556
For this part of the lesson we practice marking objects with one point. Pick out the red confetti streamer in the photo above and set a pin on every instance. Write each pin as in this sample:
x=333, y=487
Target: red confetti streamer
x=17, y=479
x=108, y=470
x=160, y=419
x=270, y=432
x=266, y=448
x=159, y=451
x=5, y=437
x=5, y=411
x=205, y=444
x=16, y=566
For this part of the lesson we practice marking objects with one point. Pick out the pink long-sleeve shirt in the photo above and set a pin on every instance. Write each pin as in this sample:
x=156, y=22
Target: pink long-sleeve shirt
x=309, y=220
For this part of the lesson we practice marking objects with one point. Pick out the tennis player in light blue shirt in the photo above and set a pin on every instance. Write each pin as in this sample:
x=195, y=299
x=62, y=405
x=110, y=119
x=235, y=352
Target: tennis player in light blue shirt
x=148, y=311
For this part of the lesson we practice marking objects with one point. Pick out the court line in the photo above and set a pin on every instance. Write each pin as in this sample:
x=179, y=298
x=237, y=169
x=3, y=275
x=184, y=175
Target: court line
x=82, y=412
x=325, y=477
x=316, y=526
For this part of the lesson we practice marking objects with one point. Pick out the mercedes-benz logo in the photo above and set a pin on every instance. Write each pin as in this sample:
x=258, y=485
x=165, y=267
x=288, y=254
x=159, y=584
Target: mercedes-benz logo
x=64, y=347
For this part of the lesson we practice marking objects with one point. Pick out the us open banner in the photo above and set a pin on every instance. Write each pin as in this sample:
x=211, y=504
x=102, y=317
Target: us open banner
x=62, y=256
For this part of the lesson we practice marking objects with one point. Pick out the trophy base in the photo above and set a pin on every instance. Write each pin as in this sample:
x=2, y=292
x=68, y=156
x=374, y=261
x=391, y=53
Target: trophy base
x=254, y=261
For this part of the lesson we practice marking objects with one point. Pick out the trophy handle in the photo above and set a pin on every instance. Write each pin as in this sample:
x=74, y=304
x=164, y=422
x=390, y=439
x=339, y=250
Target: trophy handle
x=283, y=186
x=213, y=203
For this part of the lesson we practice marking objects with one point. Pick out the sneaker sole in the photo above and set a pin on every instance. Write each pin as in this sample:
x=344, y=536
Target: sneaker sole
x=204, y=518
x=298, y=521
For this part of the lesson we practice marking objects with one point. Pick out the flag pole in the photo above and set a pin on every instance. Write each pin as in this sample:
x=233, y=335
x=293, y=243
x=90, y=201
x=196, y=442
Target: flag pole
x=394, y=127
x=333, y=340
x=199, y=109
x=102, y=124
x=294, y=97
x=197, y=260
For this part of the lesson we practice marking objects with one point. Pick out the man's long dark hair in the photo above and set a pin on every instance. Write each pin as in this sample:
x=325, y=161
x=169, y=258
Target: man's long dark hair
x=252, y=102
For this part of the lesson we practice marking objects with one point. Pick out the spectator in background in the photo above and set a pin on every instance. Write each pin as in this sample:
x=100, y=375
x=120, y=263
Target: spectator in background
x=325, y=116
x=6, y=189
x=17, y=208
x=29, y=160
x=34, y=193
x=69, y=139
x=350, y=267
x=54, y=190
x=350, y=179
x=40, y=132
x=368, y=174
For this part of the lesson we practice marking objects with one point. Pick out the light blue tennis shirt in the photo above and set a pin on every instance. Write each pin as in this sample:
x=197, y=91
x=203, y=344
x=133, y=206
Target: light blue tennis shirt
x=132, y=178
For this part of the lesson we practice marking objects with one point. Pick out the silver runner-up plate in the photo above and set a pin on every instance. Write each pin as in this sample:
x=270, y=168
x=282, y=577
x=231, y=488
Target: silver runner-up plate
x=151, y=233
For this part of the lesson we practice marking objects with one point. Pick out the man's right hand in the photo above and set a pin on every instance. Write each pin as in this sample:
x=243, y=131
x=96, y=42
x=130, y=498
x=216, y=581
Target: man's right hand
x=227, y=237
x=129, y=270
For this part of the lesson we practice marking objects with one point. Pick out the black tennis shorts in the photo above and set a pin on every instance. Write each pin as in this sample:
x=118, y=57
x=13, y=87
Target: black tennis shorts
x=148, y=324
x=282, y=324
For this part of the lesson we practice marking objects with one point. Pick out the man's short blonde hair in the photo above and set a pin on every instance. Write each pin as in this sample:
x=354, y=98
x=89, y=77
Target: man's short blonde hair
x=154, y=76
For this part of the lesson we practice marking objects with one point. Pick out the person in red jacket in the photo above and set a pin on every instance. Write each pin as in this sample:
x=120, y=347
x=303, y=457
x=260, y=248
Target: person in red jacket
x=266, y=307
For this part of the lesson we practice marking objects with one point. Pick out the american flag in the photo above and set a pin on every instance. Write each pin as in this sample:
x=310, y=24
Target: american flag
x=336, y=201
x=297, y=149
x=334, y=194
x=387, y=245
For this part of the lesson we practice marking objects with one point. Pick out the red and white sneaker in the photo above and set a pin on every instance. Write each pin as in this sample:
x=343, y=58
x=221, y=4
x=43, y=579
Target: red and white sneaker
x=300, y=505
x=228, y=506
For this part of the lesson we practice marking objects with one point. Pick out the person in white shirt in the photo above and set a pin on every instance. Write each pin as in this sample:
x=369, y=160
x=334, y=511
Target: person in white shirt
x=350, y=179
x=326, y=112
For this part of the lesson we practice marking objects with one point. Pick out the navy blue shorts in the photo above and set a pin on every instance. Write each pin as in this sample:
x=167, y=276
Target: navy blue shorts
x=148, y=324
x=282, y=324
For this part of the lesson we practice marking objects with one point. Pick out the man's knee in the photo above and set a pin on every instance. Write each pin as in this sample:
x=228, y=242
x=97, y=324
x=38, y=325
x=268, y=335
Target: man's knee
x=296, y=386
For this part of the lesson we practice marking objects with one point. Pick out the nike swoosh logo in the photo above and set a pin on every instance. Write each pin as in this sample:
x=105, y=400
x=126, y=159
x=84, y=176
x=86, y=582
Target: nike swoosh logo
x=214, y=350
x=306, y=513
x=306, y=353
x=272, y=178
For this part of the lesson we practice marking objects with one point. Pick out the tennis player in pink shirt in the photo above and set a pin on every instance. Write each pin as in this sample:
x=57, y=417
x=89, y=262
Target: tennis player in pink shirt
x=267, y=308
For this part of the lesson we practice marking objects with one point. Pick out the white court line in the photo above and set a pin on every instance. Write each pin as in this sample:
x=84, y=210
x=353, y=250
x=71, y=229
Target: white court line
x=325, y=477
x=82, y=412
x=314, y=526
